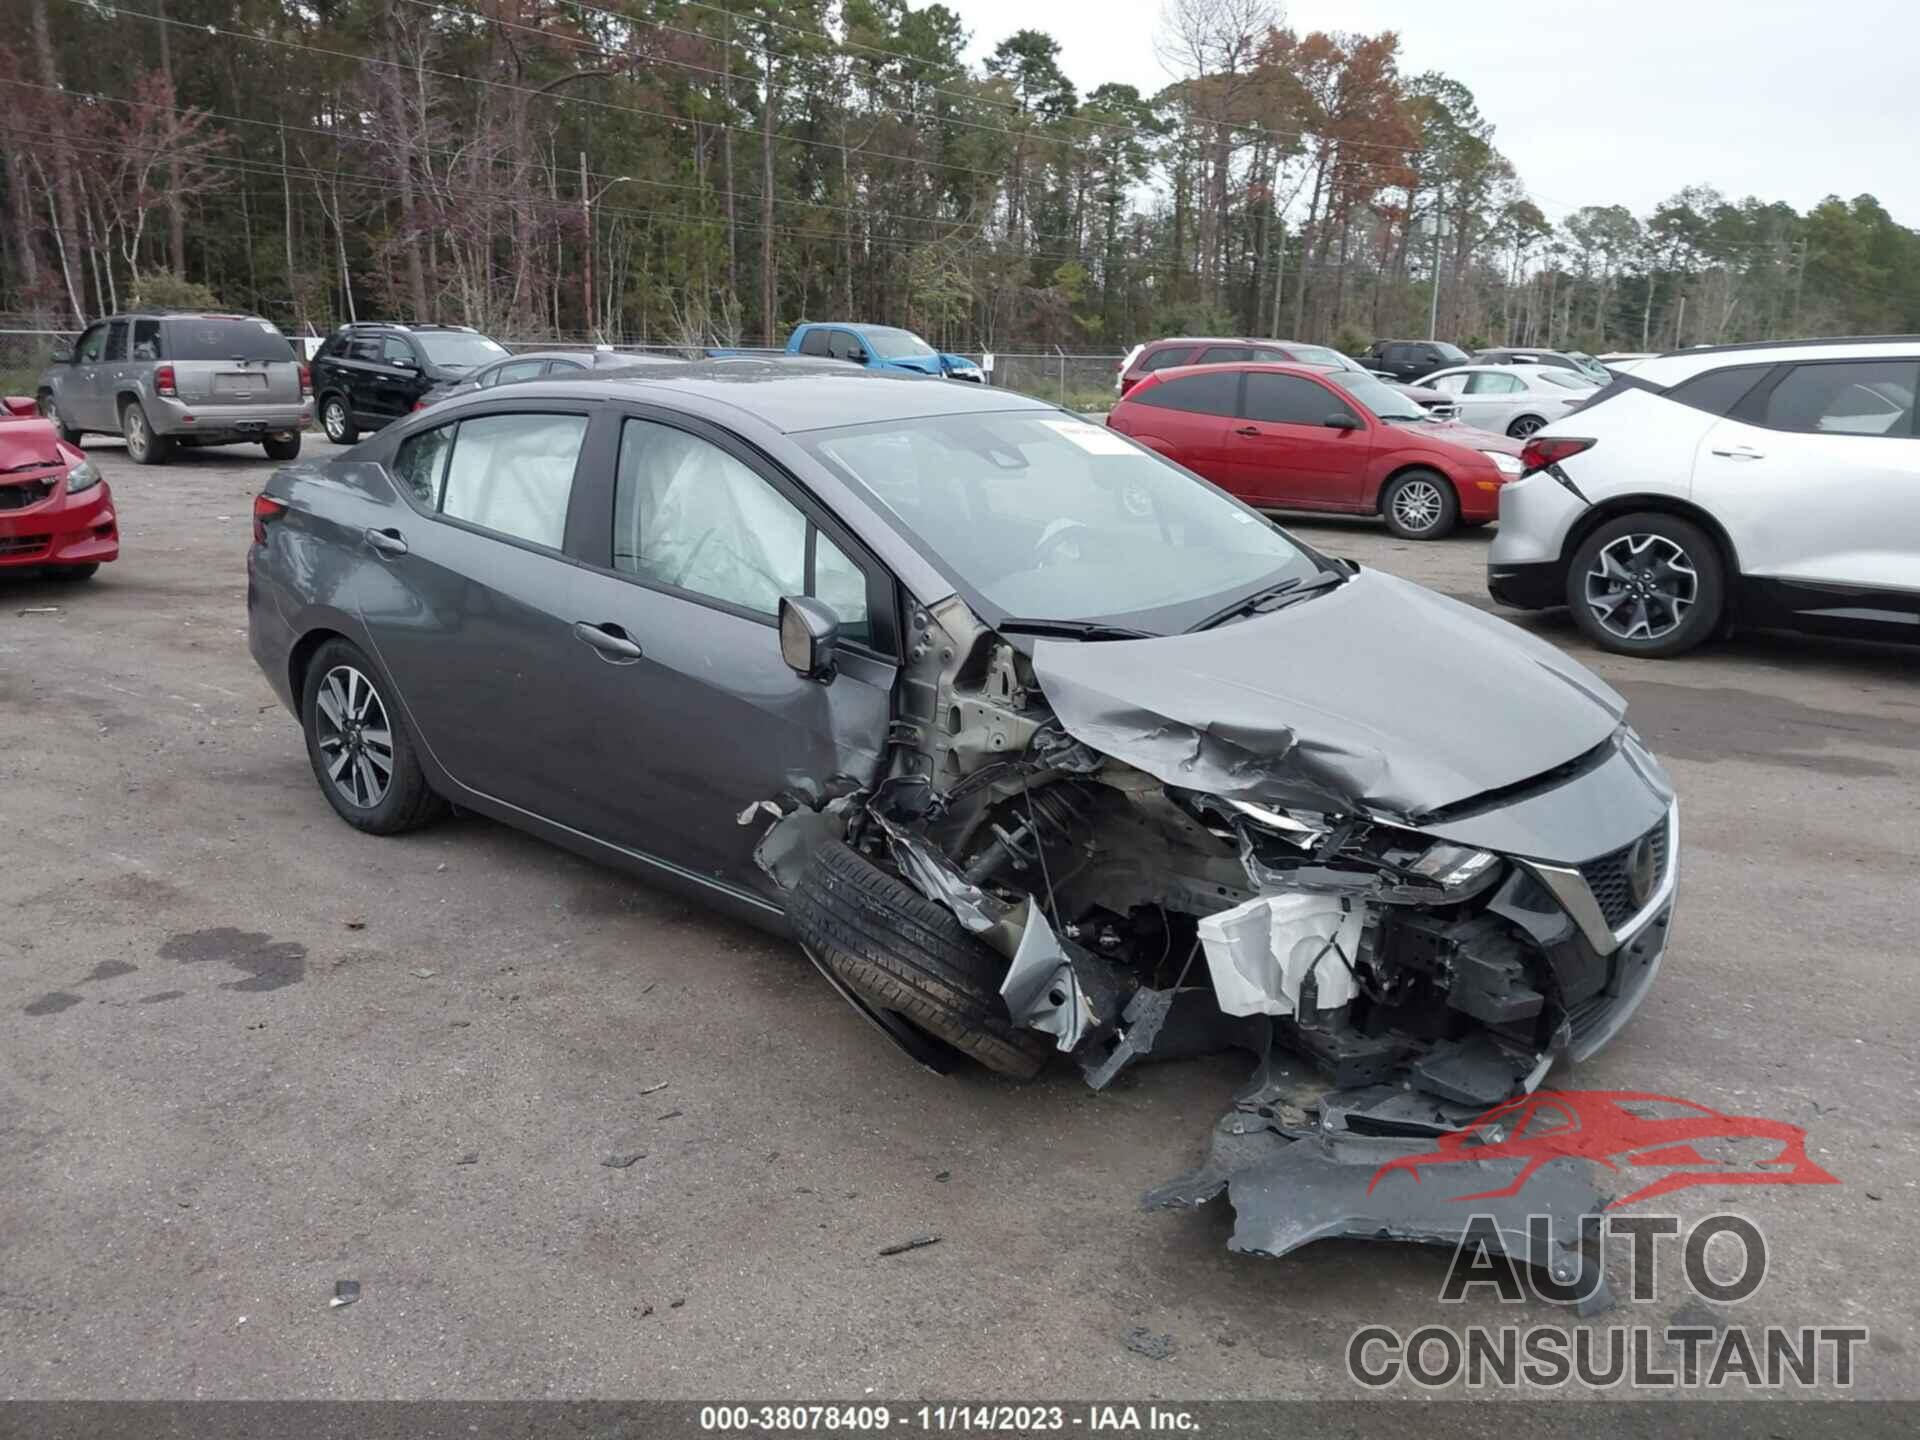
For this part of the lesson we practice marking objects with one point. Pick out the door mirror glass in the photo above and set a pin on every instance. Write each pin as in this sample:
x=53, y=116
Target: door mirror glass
x=1340, y=420
x=808, y=632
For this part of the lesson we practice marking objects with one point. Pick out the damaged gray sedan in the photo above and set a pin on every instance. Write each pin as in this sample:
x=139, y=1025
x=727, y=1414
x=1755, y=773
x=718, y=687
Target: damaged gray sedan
x=1038, y=744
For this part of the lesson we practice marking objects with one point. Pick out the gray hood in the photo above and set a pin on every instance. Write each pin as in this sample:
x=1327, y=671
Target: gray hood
x=1379, y=695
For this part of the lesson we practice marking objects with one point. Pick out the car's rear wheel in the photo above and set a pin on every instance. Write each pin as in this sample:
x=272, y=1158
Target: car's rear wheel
x=288, y=449
x=1521, y=428
x=143, y=446
x=1420, y=505
x=337, y=420
x=902, y=952
x=358, y=743
x=1648, y=584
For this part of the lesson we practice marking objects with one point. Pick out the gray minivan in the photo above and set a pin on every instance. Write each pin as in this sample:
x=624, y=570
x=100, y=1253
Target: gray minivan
x=167, y=378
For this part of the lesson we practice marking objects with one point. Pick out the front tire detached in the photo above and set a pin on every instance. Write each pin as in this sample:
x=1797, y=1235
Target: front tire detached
x=358, y=744
x=1420, y=505
x=1648, y=584
x=902, y=952
x=288, y=449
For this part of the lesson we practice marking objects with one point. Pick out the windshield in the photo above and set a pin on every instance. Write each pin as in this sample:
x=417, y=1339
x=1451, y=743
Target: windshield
x=1381, y=398
x=1452, y=354
x=1322, y=355
x=457, y=349
x=891, y=344
x=1046, y=517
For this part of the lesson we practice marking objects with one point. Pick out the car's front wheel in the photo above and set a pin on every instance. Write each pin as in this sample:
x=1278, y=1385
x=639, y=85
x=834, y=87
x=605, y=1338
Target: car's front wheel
x=1523, y=427
x=358, y=744
x=337, y=420
x=1420, y=505
x=143, y=446
x=1649, y=584
x=50, y=410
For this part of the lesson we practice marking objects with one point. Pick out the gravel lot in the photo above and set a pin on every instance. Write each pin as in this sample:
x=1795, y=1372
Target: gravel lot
x=244, y=1052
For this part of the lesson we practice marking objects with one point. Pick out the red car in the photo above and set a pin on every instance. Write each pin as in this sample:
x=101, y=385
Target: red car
x=1301, y=437
x=1625, y=1130
x=55, y=509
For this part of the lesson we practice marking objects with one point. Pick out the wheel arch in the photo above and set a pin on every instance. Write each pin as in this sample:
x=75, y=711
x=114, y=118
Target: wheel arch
x=129, y=393
x=1430, y=467
x=1642, y=503
x=300, y=657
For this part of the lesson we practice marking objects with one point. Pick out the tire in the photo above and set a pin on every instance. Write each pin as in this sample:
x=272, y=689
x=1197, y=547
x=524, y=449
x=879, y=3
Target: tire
x=143, y=446
x=44, y=403
x=1671, y=574
x=1420, y=505
x=902, y=952
x=406, y=801
x=1524, y=426
x=282, y=449
x=337, y=420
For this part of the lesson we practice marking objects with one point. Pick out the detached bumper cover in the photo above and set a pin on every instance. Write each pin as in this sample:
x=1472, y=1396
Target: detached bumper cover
x=61, y=529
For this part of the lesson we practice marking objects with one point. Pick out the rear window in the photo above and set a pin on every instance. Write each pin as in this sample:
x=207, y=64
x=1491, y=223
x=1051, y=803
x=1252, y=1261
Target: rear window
x=1216, y=393
x=225, y=340
x=1718, y=391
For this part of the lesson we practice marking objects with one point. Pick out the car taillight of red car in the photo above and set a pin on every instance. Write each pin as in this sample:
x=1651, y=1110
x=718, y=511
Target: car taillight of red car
x=1544, y=450
x=265, y=510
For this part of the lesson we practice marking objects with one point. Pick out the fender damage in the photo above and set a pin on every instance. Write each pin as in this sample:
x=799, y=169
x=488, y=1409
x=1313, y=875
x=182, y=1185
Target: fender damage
x=1406, y=867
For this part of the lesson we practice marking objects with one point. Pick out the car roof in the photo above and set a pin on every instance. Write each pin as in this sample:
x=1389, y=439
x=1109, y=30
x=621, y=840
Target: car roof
x=1278, y=367
x=794, y=396
x=1478, y=368
x=1221, y=340
x=1677, y=365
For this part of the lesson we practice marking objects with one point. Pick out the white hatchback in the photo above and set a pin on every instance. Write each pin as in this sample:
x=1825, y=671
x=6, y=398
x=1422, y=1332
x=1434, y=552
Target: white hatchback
x=1776, y=485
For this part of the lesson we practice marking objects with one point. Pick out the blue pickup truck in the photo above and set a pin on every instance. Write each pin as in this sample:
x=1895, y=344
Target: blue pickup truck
x=879, y=347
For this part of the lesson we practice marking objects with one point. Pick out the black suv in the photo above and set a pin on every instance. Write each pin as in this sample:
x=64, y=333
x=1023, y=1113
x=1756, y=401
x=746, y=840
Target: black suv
x=369, y=374
x=1405, y=360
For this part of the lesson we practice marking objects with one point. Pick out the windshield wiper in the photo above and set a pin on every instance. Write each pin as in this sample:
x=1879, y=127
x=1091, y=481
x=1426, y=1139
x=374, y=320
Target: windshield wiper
x=1073, y=629
x=1275, y=597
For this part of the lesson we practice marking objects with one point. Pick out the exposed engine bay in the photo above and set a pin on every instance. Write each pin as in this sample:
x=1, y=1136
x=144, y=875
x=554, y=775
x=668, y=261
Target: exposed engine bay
x=1155, y=887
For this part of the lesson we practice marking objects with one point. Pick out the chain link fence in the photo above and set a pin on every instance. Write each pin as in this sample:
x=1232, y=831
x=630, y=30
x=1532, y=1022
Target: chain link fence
x=24, y=354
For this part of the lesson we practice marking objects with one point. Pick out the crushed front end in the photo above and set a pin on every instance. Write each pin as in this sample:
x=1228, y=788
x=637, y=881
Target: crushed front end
x=1164, y=864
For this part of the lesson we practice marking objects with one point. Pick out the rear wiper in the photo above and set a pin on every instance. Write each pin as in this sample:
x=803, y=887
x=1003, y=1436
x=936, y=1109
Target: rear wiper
x=1073, y=629
x=1275, y=597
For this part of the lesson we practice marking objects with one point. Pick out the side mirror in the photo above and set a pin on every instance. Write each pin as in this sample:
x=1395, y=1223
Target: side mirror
x=809, y=630
x=1341, y=420
x=61, y=354
x=857, y=355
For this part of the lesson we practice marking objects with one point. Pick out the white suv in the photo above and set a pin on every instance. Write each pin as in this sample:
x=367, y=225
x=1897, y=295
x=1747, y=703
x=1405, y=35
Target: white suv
x=1775, y=485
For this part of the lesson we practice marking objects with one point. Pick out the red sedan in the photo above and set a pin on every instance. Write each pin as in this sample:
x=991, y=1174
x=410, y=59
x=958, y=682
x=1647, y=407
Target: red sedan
x=1300, y=437
x=55, y=510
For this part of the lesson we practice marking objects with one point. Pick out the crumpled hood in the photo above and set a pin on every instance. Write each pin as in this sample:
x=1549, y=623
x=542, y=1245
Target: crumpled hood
x=1380, y=695
x=29, y=441
x=925, y=364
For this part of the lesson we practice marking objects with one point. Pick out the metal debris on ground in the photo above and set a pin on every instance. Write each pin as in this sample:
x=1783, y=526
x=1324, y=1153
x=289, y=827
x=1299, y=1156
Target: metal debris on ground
x=41, y=610
x=359, y=922
x=676, y=1304
x=345, y=1292
x=943, y=1175
x=623, y=1159
x=919, y=1242
x=653, y=1089
x=673, y=1114
x=1143, y=1341
x=424, y=974
x=472, y=1157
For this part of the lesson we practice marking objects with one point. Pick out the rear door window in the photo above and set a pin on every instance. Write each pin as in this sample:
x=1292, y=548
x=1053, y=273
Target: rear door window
x=1494, y=385
x=1217, y=393
x=520, y=370
x=421, y=464
x=1289, y=400
x=513, y=474
x=1863, y=397
x=1161, y=359
x=1224, y=355
x=214, y=339
x=117, y=340
x=1718, y=391
x=146, y=339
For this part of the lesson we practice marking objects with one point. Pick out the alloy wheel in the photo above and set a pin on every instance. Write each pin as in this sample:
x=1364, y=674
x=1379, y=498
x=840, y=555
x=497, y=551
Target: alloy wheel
x=334, y=417
x=1417, y=505
x=45, y=407
x=1641, y=587
x=1524, y=427
x=354, y=736
x=135, y=424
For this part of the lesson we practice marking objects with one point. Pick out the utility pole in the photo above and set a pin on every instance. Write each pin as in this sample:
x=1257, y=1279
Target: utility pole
x=1800, y=275
x=1680, y=324
x=586, y=234
x=1440, y=228
x=1279, y=275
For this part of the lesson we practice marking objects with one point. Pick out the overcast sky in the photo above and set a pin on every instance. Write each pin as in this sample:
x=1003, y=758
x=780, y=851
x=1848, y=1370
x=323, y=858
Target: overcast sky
x=1608, y=101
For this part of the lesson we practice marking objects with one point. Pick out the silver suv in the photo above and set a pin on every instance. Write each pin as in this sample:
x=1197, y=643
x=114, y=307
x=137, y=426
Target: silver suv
x=165, y=379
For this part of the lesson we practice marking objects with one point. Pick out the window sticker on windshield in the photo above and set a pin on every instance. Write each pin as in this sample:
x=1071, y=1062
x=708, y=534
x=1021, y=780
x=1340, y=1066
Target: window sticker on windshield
x=1094, y=439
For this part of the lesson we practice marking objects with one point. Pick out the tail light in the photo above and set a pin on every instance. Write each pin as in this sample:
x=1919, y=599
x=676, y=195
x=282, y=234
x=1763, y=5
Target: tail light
x=265, y=508
x=306, y=381
x=1545, y=450
x=163, y=382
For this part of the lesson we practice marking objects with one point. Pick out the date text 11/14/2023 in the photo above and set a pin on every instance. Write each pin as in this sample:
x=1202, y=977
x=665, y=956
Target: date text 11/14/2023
x=944, y=1419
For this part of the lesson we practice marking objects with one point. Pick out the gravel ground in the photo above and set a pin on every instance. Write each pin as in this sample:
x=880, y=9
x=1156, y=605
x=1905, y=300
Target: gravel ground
x=246, y=1053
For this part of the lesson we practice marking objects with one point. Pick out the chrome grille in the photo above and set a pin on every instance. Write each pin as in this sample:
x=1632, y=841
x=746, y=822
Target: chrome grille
x=1610, y=877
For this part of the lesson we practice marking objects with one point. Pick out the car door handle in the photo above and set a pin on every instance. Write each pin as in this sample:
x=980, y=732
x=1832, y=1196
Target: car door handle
x=610, y=640
x=1741, y=452
x=387, y=542
x=1248, y=430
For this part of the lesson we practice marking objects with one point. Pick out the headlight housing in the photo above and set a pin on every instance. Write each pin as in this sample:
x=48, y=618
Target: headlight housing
x=1450, y=866
x=82, y=477
x=1506, y=464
